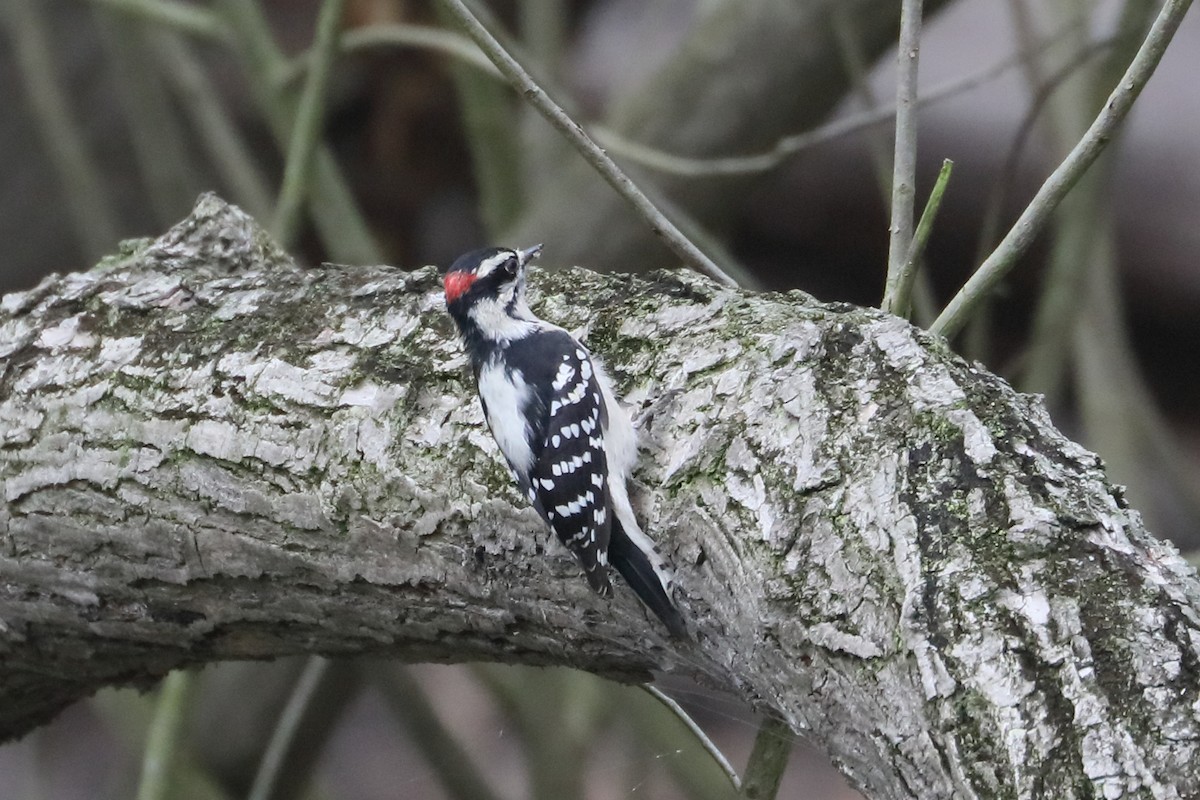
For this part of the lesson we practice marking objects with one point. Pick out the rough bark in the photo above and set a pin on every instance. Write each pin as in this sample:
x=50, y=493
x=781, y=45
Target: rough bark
x=209, y=454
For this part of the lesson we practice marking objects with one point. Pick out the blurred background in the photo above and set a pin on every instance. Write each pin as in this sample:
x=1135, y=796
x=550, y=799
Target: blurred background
x=118, y=113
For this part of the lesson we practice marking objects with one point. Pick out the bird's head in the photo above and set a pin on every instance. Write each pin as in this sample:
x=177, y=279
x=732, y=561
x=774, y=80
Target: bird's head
x=492, y=274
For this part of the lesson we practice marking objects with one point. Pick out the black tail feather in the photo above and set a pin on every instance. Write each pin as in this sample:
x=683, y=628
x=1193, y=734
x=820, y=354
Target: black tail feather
x=636, y=569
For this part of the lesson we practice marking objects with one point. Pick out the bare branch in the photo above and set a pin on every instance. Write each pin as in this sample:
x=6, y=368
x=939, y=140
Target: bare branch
x=523, y=82
x=715, y=167
x=904, y=162
x=1038, y=212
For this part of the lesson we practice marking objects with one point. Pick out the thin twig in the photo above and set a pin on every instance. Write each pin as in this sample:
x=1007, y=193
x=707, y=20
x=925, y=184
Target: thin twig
x=287, y=729
x=558, y=715
x=309, y=122
x=1038, y=212
x=789, y=146
x=539, y=99
x=156, y=136
x=396, y=34
x=925, y=225
x=903, y=291
x=446, y=756
x=489, y=122
x=709, y=746
x=163, y=736
x=854, y=60
x=339, y=221
x=210, y=119
x=904, y=164
x=768, y=760
x=184, y=17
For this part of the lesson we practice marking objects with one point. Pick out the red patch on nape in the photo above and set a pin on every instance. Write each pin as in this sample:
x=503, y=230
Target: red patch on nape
x=456, y=283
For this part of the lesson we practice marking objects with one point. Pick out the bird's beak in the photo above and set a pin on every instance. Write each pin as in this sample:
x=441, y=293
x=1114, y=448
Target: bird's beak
x=529, y=255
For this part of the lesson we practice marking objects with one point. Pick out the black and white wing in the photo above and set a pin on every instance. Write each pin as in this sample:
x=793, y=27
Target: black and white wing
x=568, y=480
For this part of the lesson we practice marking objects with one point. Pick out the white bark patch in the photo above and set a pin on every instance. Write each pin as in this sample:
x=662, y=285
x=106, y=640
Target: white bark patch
x=936, y=680
x=18, y=423
x=220, y=440
x=15, y=334
x=700, y=361
x=799, y=439
x=60, y=462
x=894, y=337
x=273, y=377
x=65, y=368
x=977, y=440
x=1034, y=606
x=673, y=318
x=148, y=292
x=367, y=329
x=374, y=442
x=116, y=353
x=66, y=335
x=241, y=303
x=824, y=634
x=372, y=396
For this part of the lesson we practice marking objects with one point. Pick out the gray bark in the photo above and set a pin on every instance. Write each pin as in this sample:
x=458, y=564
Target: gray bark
x=210, y=454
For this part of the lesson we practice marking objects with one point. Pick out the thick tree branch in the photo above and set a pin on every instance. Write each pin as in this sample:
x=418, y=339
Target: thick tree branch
x=209, y=454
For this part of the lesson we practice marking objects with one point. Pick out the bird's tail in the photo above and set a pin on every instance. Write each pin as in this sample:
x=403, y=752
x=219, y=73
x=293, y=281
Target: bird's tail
x=637, y=567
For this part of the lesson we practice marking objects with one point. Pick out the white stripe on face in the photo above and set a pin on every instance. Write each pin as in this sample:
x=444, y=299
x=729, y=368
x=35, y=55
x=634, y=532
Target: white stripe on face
x=493, y=263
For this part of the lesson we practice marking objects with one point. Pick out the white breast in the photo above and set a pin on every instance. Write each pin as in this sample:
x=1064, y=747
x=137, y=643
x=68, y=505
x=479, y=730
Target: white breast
x=506, y=396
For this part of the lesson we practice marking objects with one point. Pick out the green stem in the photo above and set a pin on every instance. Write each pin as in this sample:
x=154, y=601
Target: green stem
x=157, y=139
x=216, y=133
x=338, y=219
x=287, y=729
x=83, y=195
x=490, y=124
x=424, y=37
x=306, y=130
x=183, y=17
x=446, y=756
x=903, y=289
x=163, y=736
x=768, y=760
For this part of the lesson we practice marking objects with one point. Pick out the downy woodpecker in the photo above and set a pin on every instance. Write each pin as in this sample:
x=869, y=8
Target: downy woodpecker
x=552, y=411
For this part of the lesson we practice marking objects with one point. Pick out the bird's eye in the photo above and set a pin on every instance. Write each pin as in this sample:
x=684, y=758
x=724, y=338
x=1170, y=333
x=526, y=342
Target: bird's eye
x=512, y=264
